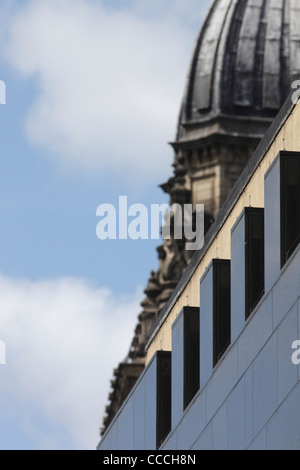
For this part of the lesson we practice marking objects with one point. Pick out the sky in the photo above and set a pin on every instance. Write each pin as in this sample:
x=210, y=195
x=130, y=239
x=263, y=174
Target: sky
x=93, y=92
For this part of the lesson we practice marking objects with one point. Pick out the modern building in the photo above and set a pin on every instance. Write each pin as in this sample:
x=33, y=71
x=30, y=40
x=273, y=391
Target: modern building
x=211, y=361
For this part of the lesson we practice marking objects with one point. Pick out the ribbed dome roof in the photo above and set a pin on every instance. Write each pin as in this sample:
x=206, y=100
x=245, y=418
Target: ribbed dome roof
x=246, y=57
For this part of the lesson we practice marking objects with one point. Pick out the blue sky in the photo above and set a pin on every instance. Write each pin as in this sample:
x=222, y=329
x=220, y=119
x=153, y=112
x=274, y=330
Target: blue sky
x=93, y=94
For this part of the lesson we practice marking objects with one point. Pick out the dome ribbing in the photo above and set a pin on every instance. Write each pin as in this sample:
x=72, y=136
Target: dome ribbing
x=247, y=55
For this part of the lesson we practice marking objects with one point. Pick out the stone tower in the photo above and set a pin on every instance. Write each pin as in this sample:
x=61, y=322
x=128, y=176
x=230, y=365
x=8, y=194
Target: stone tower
x=245, y=60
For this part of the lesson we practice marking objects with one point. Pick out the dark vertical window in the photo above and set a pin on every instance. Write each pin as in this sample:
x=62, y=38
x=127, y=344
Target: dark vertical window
x=290, y=204
x=254, y=258
x=221, y=308
x=191, y=365
x=163, y=396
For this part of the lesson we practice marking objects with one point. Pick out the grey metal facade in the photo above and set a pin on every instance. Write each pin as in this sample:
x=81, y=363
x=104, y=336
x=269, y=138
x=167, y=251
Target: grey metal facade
x=250, y=398
x=246, y=57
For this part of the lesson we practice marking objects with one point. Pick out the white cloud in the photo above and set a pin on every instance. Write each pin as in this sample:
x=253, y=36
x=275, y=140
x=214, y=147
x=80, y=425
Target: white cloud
x=109, y=82
x=63, y=339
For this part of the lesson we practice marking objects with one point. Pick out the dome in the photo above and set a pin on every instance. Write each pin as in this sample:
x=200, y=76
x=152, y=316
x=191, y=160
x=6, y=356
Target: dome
x=246, y=57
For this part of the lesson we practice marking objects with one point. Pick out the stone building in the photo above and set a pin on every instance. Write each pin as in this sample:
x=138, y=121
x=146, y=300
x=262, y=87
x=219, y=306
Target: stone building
x=246, y=57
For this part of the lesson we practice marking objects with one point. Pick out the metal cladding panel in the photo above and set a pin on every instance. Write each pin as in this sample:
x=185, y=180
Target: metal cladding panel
x=272, y=225
x=236, y=417
x=125, y=427
x=282, y=213
x=287, y=289
x=265, y=384
x=283, y=430
x=238, y=278
x=206, y=327
x=163, y=396
x=150, y=405
x=177, y=369
x=139, y=417
x=220, y=428
x=287, y=371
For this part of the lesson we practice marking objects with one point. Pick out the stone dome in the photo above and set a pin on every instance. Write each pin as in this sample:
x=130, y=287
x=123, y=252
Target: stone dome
x=246, y=57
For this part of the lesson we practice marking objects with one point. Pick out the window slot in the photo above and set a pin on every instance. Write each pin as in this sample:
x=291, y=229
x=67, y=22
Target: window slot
x=191, y=361
x=254, y=258
x=221, y=308
x=290, y=205
x=163, y=396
